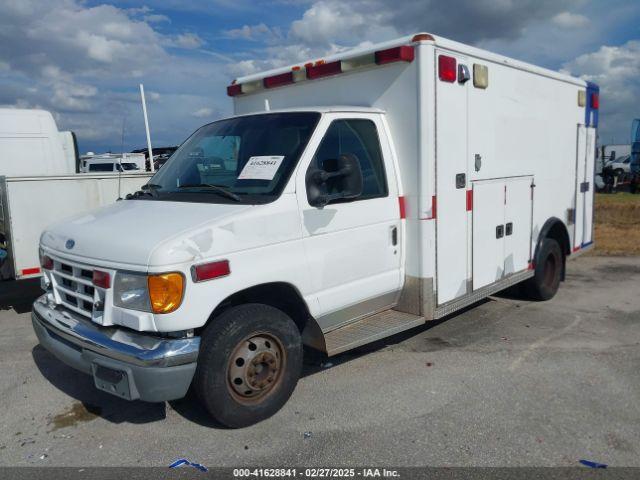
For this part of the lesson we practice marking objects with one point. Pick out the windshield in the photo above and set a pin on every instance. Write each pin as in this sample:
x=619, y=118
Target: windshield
x=239, y=160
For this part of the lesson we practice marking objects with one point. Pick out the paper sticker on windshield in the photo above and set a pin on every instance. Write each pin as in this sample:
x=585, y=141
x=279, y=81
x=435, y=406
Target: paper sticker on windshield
x=261, y=168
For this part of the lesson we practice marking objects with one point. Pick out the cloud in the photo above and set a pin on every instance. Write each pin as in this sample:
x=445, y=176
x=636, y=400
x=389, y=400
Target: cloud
x=616, y=70
x=84, y=63
x=570, y=20
x=188, y=41
x=204, y=112
x=256, y=33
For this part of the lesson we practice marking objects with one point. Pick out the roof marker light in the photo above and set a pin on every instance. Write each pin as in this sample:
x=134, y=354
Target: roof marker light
x=423, y=37
x=278, y=80
x=447, y=68
x=234, y=89
x=404, y=53
x=323, y=69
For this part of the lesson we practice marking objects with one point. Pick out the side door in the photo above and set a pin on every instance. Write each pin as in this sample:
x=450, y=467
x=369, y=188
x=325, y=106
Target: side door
x=589, y=186
x=353, y=246
x=451, y=187
x=579, y=211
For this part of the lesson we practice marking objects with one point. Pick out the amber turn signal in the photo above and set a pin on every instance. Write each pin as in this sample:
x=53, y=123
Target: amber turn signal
x=166, y=291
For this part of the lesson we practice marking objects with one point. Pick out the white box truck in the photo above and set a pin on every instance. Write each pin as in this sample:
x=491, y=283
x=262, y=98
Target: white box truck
x=39, y=185
x=347, y=199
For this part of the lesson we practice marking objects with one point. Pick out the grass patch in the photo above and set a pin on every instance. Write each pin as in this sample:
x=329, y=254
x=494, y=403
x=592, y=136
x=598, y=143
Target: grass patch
x=617, y=224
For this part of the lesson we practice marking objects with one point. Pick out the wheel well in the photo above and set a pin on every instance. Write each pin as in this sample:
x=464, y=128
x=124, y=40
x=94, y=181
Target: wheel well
x=280, y=295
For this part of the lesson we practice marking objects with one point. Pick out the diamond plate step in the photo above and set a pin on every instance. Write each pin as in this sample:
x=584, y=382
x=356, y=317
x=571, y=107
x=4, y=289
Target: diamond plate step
x=370, y=329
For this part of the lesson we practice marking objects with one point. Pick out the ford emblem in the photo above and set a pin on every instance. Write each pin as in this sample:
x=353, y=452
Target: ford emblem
x=70, y=244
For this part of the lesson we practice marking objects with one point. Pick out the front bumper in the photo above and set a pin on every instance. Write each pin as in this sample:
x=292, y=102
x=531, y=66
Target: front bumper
x=124, y=363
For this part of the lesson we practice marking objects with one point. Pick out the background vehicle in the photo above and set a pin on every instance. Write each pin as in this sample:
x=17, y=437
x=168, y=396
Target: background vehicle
x=620, y=165
x=109, y=165
x=348, y=199
x=39, y=185
x=30, y=144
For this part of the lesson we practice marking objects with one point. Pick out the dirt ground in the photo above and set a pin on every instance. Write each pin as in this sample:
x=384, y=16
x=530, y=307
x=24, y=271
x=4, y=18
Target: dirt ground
x=617, y=224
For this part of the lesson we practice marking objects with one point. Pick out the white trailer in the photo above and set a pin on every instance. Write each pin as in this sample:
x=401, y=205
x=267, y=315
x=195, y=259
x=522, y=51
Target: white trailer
x=38, y=186
x=349, y=198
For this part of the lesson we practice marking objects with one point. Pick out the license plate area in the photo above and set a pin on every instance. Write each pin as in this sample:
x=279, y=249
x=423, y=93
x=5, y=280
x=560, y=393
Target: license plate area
x=113, y=381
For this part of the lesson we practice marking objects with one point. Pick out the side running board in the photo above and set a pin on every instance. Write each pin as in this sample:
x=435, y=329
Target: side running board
x=369, y=329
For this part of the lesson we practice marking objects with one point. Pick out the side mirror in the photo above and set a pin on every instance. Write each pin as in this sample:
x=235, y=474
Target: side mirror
x=340, y=179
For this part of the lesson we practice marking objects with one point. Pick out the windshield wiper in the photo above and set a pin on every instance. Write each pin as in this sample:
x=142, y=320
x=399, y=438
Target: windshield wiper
x=216, y=188
x=150, y=186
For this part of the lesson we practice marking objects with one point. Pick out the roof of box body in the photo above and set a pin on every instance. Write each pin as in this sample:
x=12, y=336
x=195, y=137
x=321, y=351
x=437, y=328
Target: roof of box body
x=433, y=39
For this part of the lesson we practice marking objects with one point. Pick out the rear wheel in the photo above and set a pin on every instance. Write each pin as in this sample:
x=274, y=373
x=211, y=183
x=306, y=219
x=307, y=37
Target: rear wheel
x=249, y=364
x=548, y=271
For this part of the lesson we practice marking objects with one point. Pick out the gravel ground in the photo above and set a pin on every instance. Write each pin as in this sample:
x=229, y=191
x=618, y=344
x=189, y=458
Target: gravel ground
x=505, y=383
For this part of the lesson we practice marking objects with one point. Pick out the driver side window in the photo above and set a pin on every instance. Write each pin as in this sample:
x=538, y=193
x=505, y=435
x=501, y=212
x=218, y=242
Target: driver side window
x=359, y=138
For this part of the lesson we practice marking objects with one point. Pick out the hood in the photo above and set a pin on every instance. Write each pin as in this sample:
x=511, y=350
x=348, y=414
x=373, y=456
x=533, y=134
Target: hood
x=129, y=231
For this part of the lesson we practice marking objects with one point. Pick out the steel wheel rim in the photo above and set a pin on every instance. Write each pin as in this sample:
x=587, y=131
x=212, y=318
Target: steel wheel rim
x=255, y=367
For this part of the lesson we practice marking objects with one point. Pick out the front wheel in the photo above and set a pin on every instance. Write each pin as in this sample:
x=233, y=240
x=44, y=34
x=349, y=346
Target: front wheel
x=548, y=271
x=249, y=364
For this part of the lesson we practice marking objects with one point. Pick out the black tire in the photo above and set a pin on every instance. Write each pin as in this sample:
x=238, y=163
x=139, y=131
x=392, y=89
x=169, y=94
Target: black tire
x=548, y=271
x=258, y=390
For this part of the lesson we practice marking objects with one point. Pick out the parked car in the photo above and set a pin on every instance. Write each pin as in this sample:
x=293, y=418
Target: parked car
x=331, y=221
x=620, y=165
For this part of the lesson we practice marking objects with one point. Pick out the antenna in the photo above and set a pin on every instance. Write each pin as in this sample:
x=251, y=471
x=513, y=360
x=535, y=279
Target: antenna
x=124, y=121
x=146, y=126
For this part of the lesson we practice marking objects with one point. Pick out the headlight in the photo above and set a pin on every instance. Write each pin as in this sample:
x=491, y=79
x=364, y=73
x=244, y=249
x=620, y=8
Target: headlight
x=158, y=293
x=130, y=290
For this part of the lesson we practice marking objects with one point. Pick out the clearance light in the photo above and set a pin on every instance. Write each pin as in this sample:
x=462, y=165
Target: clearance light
x=278, y=80
x=165, y=291
x=423, y=37
x=209, y=271
x=234, y=89
x=323, y=69
x=397, y=54
x=46, y=262
x=447, y=69
x=101, y=279
x=595, y=101
x=480, y=76
x=582, y=98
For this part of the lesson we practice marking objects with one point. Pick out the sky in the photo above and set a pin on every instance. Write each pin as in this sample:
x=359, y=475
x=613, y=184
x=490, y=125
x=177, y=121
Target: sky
x=84, y=59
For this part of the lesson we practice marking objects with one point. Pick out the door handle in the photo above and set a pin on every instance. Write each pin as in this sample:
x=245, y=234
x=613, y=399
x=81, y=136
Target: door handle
x=394, y=236
x=500, y=231
x=509, y=229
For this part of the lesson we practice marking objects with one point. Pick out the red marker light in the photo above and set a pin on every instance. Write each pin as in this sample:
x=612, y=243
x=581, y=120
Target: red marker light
x=278, y=80
x=397, y=54
x=46, y=262
x=235, y=89
x=209, y=271
x=101, y=279
x=323, y=69
x=595, y=101
x=447, y=68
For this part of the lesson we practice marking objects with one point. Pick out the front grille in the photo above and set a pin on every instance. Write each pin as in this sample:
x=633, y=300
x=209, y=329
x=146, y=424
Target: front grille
x=74, y=286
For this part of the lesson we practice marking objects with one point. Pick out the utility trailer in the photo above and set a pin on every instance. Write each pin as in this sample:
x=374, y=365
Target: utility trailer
x=29, y=204
x=348, y=199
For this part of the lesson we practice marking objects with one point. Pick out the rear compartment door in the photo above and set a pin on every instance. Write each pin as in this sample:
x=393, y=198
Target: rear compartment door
x=451, y=182
x=587, y=235
x=579, y=211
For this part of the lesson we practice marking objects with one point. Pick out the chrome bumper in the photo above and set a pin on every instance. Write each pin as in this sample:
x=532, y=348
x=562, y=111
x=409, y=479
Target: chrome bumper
x=117, y=343
x=124, y=363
